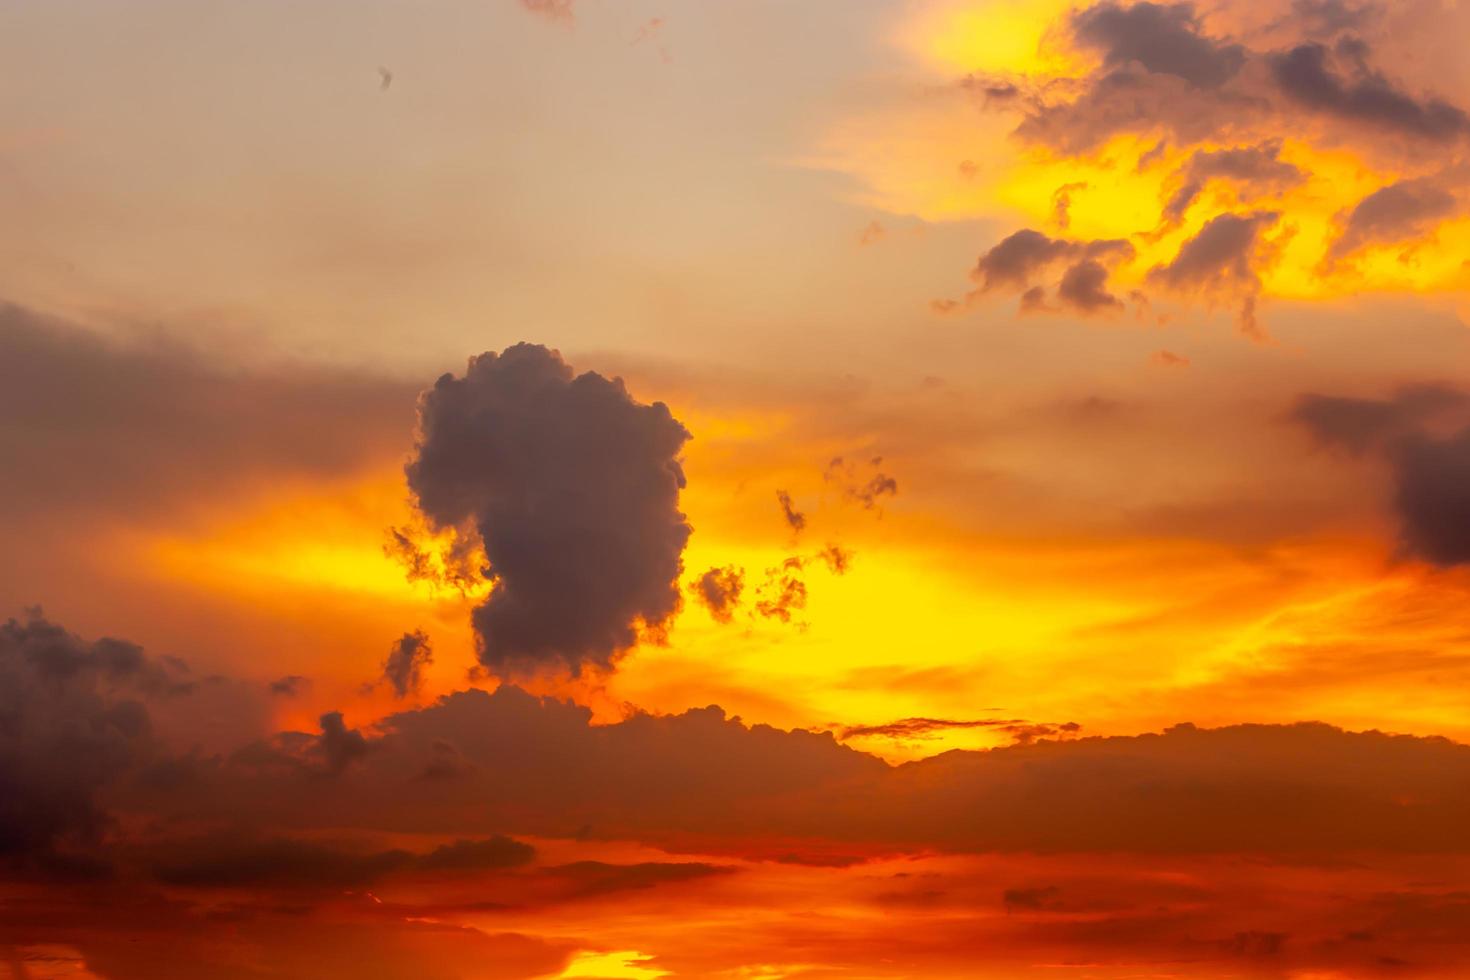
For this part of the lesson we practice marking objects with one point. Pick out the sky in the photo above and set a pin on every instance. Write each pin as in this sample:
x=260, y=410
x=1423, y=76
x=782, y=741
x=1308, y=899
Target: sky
x=830, y=489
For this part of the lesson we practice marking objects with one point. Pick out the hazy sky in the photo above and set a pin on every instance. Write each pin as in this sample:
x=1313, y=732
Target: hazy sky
x=994, y=376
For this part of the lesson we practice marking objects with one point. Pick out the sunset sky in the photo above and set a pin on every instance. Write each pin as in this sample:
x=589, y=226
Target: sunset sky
x=814, y=489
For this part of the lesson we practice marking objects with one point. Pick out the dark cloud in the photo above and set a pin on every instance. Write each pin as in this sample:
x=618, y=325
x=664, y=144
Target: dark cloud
x=404, y=667
x=1163, y=38
x=130, y=425
x=1030, y=899
x=783, y=592
x=572, y=487
x=719, y=590
x=289, y=686
x=1084, y=288
x=73, y=720
x=1018, y=259
x=339, y=746
x=592, y=879
x=1362, y=424
x=738, y=788
x=231, y=861
x=1342, y=84
x=1021, y=732
x=456, y=565
x=1422, y=432
x=794, y=518
x=864, y=483
x=1061, y=203
x=1257, y=168
x=837, y=558
x=1396, y=213
x=1220, y=261
x=1433, y=496
x=1027, y=255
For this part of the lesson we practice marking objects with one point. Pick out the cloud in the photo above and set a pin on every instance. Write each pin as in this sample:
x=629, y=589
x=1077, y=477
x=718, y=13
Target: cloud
x=1016, y=260
x=1027, y=255
x=1362, y=424
x=289, y=686
x=1084, y=288
x=1422, y=432
x=231, y=861
x=865, y=488
x=1221, y=261
x=73, y=720
x=1404, y=210
x=130, y=425
x=719, y=590
x=1163, y=38
x=1022, y=732
x=339, y=746
x=1030, y=899
x=783, y=592
x=1061, y=203
x=701, y=775
x=572, y=488
x=794, y=518
x=1257, y=168
x=1342, y=84
x=1433, y=496
x=404, y=667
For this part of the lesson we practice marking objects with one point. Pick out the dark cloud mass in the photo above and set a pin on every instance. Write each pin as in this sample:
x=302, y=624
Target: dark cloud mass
x=1342, y=84
x=572, y=488
x=1433, y=497
x=663, y=778
x=1422, y=432
x=1401, y=211
x=1163, y=38
x=1023, y=257
x=93, y=422
x=72, y=721
x=1220, y=261
x=1258, y=168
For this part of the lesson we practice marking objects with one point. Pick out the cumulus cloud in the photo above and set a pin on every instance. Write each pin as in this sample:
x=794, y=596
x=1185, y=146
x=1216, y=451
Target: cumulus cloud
x=719, y=590
x=1257, y=168
x=1022, y=258
x=572, y=488
x=1401, y=211
x=1165, y=38
x=1221, y=261
x=1172, y=77
x=1341, y=83
x=404, y=667
x=339, y=746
